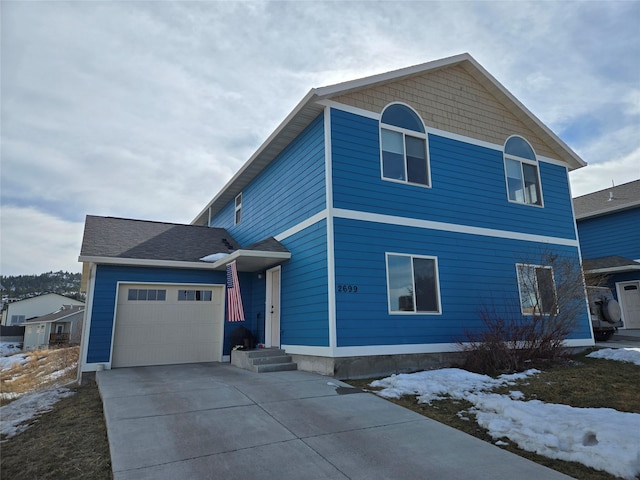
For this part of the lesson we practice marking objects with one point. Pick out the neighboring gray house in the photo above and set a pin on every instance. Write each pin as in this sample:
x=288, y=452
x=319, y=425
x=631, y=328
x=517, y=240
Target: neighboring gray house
x=62, y=327
x=17, y=312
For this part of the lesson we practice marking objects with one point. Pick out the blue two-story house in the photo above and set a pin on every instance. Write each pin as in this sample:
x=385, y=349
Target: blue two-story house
x=609, y=230
x=368, y=231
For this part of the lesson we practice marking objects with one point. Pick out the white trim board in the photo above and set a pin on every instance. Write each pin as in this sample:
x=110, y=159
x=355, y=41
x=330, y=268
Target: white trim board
x=402, y=349
x=451, y=227
x=312, y=220
x=331, y=262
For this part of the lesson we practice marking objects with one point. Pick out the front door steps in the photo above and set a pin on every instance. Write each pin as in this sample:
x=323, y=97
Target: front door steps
x=263, y=360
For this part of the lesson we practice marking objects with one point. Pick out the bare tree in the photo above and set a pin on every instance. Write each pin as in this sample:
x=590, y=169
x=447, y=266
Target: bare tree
x=534, y=326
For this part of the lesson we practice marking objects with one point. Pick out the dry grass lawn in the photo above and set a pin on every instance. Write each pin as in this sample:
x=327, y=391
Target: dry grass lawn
x=43, y=369
x=70, y=442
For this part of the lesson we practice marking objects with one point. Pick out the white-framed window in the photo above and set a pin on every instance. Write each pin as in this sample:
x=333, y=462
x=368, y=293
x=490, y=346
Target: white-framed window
x=404, y=155
x=237, y=216
x=521, y=172
x=537, y=289
x=17, y=319
x=412, y=284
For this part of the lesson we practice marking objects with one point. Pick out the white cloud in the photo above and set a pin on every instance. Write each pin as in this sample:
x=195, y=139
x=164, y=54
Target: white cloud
x=601, y=175
x=146, y=109
x=34, y=242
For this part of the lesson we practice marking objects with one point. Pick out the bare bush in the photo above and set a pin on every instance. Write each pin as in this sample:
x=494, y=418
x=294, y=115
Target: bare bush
x=533, y=327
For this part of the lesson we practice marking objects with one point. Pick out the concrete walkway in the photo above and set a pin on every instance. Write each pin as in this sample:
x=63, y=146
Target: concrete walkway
x=624, y=338
x=215, y=421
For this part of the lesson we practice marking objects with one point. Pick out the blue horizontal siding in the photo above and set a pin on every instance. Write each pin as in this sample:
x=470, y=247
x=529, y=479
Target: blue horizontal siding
x=291, y=189
x=468, y=184
x=613, y=234
x=474, y=271
x=104, y=298
x=304, y=297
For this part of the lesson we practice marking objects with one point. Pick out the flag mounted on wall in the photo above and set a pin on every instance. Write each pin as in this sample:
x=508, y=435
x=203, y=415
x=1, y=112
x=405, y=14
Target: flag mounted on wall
x=235, y=312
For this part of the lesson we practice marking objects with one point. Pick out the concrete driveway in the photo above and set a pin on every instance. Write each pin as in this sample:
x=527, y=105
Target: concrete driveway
x=215, y=421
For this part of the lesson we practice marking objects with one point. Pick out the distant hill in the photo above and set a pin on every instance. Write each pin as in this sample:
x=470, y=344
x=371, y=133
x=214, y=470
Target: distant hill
x=19, y=287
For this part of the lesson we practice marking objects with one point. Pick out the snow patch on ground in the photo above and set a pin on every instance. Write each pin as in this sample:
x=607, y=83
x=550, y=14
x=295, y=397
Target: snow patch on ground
x=15, y=417
x=601, y=438
x=7, y=348
x=6, y=363
x=630, y=355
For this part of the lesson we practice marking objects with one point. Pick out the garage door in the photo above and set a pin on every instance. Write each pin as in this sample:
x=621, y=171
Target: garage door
x=167, y=324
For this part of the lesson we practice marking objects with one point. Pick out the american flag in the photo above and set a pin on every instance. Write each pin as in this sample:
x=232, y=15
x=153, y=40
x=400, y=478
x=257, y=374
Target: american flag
x=235, y=312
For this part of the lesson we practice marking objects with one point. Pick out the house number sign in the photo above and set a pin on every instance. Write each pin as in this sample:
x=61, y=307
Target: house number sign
x=347, y=289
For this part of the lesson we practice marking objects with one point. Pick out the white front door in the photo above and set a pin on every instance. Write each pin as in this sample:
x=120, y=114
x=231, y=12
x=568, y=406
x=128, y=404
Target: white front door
x=272, y=330
x=629, y=295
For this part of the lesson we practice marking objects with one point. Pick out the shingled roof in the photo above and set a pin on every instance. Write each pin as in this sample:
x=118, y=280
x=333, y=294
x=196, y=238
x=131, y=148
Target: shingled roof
x=140, y=242
x=609, y=200
x=140, y=239
x=64, y=312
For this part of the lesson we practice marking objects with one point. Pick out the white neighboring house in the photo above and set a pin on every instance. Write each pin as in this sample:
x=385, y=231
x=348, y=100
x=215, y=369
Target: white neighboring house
x=18, y=312
x=62, y=327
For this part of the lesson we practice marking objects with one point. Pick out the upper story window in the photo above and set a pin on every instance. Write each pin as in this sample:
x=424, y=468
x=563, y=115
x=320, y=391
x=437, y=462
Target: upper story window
x=237, y=216
x=521, y=170
x=403, y=142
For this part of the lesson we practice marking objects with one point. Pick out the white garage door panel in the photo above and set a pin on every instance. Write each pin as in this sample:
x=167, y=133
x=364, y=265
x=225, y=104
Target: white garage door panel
x=165, y=332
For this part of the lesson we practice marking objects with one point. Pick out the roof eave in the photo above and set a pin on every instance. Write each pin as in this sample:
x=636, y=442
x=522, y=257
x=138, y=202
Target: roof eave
x=301, y=116
x=143, y=262
x=623, y=268
x=605, y=211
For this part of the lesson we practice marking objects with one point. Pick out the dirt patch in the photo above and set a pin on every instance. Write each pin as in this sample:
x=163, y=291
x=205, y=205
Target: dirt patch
x=69, y=442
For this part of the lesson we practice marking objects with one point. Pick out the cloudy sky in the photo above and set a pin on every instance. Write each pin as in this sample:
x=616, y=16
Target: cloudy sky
x=145, y=109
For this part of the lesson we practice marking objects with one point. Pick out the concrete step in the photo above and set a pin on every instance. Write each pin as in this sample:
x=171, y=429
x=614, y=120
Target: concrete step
x=273, y=359
x=275, y=367
x=264, y=352
x=263, y=360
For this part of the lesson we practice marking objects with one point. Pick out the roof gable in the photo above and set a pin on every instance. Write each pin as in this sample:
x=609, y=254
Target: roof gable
x=460, y=80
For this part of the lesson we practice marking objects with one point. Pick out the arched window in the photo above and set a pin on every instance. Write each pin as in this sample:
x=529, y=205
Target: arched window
x=403, y=144
x=521, y=171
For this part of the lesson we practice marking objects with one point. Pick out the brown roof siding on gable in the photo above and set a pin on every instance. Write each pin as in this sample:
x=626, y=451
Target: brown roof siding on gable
x=452, y=100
